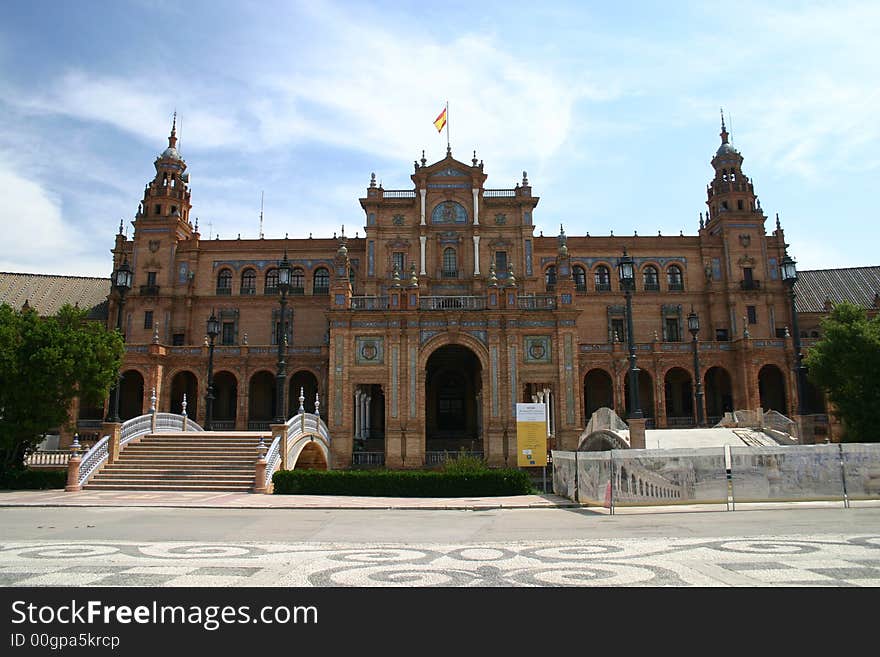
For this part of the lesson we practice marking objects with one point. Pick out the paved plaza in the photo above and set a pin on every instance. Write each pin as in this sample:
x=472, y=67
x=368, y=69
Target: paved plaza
x=136, y=539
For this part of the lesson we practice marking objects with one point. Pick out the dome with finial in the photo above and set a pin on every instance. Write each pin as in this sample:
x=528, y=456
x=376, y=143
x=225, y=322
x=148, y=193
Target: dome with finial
x=171, y=152
x=511, y=279
x=413, y=279
x=493, y=278
x=726, y=147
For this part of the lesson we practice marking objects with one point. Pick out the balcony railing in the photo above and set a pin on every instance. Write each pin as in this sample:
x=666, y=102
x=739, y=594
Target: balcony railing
x=297, y=291
x=449, y=273
x=399, y=193
x=149, y=290
x=452, y=303
x=499, y=193
x=676, y=287
x=375, y=459
x=652, y=287
x=685, y=421
x=750, y=285
x=320, y=291
x=369, y=303
x=603, y=287
x=224, y=291
x=580, y=287
x=248, y=291
x=439, y=458
x=223, y=425
x=259, y=425
x=537, y=302
x=268, y=291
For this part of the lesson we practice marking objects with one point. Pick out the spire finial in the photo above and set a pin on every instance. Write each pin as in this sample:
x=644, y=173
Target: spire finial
x=172, y=138
x=724, y=134
x=120, y=226
x=424, y=161
x=778, y=224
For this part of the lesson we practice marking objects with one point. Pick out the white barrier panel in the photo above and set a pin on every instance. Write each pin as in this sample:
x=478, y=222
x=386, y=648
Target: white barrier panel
x=594, y=478
x=669, y=476
x=786, y=473
x=564, y=474
x=861, y=467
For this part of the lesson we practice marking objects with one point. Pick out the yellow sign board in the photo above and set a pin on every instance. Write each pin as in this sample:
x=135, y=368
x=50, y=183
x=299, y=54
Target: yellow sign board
x=531, y=435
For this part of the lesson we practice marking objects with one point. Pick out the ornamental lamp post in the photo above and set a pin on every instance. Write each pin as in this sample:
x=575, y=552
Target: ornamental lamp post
x=281, y=376
x=213, y=329
x=626, y=272
x=789, y=277
x=121, y=281
x=694, y=328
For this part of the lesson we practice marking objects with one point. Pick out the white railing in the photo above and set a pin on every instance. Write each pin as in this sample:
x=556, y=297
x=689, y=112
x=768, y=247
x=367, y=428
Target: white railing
x=93, y=459
x=452, y=303
x=174, y=422
x=273, y=459
x=47, y=458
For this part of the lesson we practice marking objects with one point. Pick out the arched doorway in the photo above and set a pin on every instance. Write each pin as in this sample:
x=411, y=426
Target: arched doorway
x=678, y=391
x=225, y=401
x=131, y=395
x=598, y=392
x=719, y=394
x=771, y=387
x=646, y=393
x=453, y=386
x=261, y=401
x=185, y=382
x=308, y=383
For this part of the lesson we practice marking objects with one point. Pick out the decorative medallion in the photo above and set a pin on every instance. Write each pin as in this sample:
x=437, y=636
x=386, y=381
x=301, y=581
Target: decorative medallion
x=368, y=351
x=500, y=219
x=397, y=220
x=154, y=245
x=537, y=349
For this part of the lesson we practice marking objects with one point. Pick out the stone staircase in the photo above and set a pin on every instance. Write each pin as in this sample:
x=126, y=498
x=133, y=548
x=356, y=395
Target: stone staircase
x=192, y=461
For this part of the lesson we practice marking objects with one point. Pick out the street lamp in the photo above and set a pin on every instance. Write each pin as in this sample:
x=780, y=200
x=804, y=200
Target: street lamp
x=121, y=281
x=694, y=328
x=789, y=277
x=281, y=377
x=626, y=272
x=213, y=329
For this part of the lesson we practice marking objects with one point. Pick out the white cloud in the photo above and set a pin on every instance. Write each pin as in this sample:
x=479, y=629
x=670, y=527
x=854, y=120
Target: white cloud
x=36, y=238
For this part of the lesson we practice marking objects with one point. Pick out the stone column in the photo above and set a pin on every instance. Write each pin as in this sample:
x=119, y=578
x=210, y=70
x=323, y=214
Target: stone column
x=422, y=240
x=636, y=433
x=476, y=255
x=476, y=208
x=367, y=399
x=423, y=193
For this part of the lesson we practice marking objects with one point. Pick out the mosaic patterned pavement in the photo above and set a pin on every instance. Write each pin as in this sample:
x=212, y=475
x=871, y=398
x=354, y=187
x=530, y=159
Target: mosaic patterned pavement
x=836, y=561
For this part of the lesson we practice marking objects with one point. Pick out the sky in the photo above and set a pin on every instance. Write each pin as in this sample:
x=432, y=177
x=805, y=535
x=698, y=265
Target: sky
x=612, y=108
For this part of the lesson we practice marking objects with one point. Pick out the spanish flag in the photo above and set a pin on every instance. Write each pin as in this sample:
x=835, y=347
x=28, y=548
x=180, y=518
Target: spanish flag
x=440, y=121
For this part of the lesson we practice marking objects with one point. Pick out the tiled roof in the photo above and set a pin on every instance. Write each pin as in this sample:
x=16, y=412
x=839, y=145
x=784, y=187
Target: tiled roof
x=46, y=293
x=858, y=285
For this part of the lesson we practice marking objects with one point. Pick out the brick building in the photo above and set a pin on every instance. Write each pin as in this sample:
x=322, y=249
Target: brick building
x=421, y=335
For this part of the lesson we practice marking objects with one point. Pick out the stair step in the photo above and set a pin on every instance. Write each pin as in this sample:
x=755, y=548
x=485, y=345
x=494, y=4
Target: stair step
x=171, y=487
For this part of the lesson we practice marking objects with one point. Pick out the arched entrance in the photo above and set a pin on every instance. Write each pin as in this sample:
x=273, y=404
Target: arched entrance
x=185, y=382
x=678, y=391
x=598, y=392
x=131, y=395
x=771, y=387
x=308, y=383
x=225, y=401
x=261, y=401
x=646, y=393
x=453, y=415
x=719, y=394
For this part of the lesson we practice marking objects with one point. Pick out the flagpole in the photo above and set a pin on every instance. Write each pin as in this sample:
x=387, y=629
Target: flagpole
x=448, y=147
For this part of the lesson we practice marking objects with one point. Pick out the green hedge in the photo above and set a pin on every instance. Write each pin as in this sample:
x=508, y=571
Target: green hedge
x=402, y=483
x=33, y=479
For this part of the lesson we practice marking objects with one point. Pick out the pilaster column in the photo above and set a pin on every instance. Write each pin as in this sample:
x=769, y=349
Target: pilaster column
x=422, y=240
x=476, y=255
x=476, y=209
x=423, y=193
x=367, y=399
x=357, y=415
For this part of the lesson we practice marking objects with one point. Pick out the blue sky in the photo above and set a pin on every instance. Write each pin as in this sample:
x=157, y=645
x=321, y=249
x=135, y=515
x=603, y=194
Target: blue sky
x=613, y=111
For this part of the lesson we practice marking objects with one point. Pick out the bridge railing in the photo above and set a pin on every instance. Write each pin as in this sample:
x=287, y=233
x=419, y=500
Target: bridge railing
x=298, y=428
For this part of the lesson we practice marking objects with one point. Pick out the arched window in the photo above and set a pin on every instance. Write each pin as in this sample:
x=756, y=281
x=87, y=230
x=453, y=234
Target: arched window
x=674, y=278
x=550, y=278
x=224, y=282
x=249, y=281
x=450, y=263
x=652, y=278
x=602, y=277
x=297, y=281
x=321, y=282
x=580, y=278
x=271, y=282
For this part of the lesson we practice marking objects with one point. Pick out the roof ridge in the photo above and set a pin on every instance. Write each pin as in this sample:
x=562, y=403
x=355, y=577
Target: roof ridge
x=24, y=273
x=804, y=271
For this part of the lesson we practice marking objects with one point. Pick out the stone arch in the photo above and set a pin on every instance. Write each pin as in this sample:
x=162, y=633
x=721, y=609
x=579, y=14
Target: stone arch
x=131, y=394
x=646, y=392
x=307, y=380
x=719, y=393
x=445, y=339
x=225, y=399
x=185, y=382
x=309, y=453
x=650, y=272
x=602, y=440
x=772, y=390
x=678, y=397
x=453, y=383
x=261, y=398
x=598, y=391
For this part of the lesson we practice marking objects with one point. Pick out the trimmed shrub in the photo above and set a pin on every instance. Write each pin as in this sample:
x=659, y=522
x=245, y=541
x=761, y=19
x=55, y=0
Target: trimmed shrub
x=402, y=483
x=33, y=479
